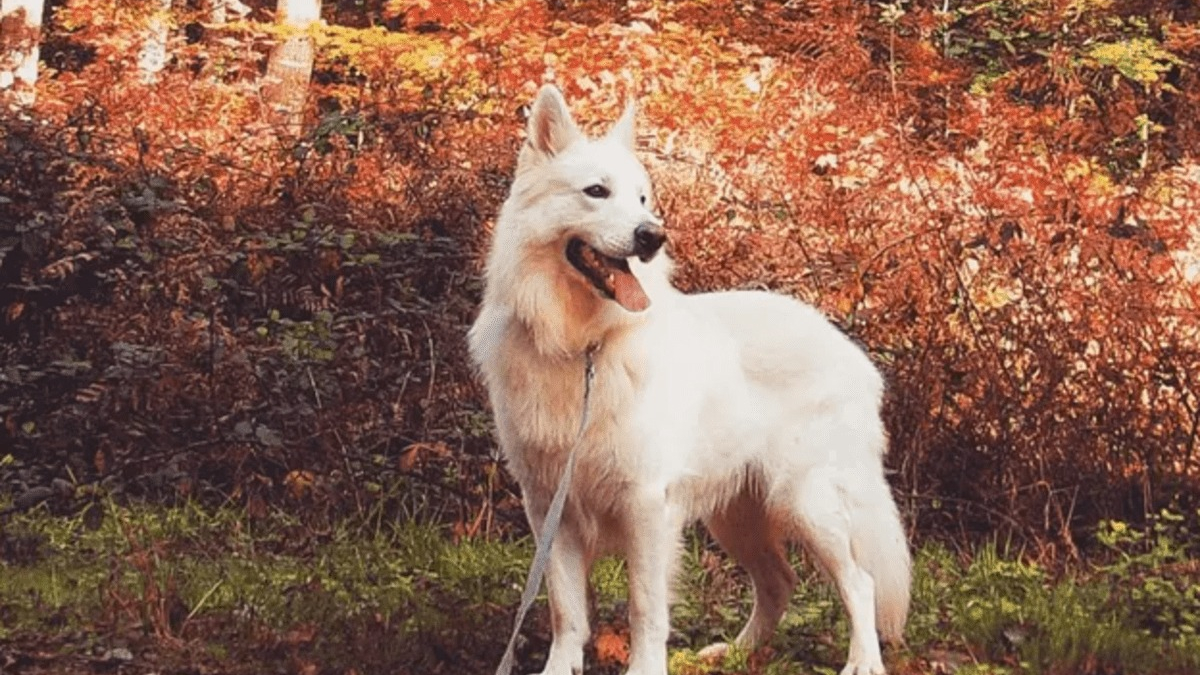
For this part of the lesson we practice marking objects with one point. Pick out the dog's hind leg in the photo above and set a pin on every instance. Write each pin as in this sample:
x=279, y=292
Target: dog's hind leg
x=744, y=529
x=824, y=517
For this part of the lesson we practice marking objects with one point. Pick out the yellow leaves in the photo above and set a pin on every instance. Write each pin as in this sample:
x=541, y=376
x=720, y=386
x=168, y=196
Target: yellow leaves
x=989, y=289
x=996, y=293
x=394, y=8
x=1095, y=179
x=412, y=58
x=687, y=663
x=726, y=659
x=379, y=52
x=1142, y=60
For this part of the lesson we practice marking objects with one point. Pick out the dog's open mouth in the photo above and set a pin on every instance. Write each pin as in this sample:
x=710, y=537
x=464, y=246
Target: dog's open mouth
x=610, y=276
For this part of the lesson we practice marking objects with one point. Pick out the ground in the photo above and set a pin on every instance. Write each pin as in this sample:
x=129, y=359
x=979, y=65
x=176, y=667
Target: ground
x=187, y=590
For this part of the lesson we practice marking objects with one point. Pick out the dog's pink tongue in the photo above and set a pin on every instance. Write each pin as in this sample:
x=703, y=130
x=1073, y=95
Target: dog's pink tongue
x=628, y=292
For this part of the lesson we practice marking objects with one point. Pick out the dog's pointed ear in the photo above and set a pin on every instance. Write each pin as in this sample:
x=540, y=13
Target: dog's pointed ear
x=551, y=127
x=623, y=129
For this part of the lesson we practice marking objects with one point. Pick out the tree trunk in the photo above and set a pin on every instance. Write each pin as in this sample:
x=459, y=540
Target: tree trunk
x=20, y=32
x=152, y=58
x=289, y=68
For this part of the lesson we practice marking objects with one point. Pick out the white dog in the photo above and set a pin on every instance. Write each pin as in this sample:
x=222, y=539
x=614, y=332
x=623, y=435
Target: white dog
x=747, y=410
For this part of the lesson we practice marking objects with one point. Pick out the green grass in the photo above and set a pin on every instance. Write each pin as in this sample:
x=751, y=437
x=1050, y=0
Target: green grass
x=345, y=592
x=405, y=595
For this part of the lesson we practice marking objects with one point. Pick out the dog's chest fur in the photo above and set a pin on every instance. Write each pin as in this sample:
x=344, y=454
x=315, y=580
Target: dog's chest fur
x=538, y=403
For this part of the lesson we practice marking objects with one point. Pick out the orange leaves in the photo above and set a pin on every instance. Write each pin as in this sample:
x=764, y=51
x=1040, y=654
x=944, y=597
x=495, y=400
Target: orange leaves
x=441, y=14
x=975, y=238
x=64, y=267
x=612, y=646
x=417, y=454
x=298, y=483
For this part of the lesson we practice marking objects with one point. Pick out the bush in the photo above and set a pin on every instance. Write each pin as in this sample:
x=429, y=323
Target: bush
x=198, y=302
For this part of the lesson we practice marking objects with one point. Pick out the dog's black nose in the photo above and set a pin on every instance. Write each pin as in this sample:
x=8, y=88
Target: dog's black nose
x=647, y=239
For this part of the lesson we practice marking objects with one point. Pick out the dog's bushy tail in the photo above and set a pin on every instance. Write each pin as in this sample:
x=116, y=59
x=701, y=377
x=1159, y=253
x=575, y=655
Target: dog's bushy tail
x=881, y=548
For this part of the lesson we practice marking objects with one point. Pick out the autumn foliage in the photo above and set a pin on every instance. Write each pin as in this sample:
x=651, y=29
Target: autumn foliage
x=1000, y=200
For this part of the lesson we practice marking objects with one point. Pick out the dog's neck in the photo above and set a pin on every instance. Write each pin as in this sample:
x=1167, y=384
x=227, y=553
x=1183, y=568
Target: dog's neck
x=568, y=351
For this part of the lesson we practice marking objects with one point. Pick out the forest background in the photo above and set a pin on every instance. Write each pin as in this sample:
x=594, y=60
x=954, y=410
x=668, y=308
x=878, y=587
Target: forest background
x=240, y=244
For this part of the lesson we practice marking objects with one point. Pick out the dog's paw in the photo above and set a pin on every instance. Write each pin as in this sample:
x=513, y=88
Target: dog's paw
x=864, y=668
x=714, y=653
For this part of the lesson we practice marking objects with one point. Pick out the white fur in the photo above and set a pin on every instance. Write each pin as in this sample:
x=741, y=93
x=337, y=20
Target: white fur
x=747, y=410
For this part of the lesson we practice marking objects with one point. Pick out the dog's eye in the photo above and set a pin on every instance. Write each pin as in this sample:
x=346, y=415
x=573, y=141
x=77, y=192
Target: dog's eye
x=596, y=191
x=643, y=200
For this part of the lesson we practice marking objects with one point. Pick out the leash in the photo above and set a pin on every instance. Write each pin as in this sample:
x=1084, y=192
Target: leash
x=541, y=556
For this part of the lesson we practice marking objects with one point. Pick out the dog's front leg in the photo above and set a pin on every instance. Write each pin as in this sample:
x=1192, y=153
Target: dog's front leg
x=567, y=572
x=652, y=551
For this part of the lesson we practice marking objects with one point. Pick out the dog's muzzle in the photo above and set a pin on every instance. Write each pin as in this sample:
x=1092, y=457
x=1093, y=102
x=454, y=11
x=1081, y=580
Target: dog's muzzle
x=610, y=275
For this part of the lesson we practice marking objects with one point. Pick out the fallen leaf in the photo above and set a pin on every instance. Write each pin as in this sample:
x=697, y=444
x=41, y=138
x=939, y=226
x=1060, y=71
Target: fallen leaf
x=612, y=647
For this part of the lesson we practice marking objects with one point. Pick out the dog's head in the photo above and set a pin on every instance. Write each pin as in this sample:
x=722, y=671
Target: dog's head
x=591, y=197
x=571, y=252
